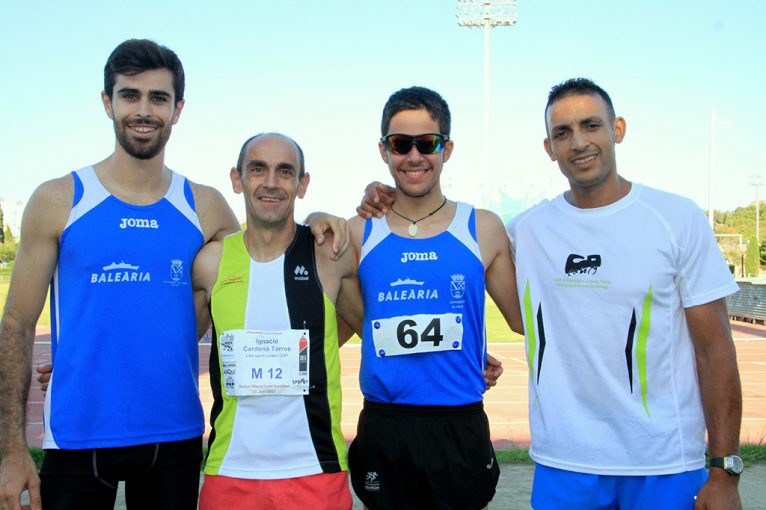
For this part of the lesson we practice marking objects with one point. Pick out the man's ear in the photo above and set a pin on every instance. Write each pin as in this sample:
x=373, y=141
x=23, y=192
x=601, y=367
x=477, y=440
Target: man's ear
x=236, y=180
x=619, y=129
x=179, y=106
x=448, y=148
x=107, y=105
x=549, y=149
x=383, y=152
x=303, y=185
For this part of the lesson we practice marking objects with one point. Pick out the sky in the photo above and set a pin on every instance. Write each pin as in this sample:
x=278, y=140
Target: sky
x=321, y=71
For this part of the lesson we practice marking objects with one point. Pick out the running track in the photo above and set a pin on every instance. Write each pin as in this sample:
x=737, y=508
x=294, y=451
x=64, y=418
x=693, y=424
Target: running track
x=506, y=403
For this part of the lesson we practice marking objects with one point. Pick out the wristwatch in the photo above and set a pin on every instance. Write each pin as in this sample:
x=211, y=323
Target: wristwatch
x=732, y=464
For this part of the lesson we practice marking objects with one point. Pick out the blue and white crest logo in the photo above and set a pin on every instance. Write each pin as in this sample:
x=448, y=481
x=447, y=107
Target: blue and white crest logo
x=457, y=286
x=176, y=270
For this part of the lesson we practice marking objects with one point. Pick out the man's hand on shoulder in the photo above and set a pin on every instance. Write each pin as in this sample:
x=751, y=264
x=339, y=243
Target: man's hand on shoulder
x=324, y=225
x=378, y=197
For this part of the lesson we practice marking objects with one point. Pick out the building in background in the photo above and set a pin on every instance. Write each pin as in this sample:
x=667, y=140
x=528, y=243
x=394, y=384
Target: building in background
x=12, y=211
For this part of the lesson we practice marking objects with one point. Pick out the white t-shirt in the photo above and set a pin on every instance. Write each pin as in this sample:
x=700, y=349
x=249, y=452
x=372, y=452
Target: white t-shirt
x=613, y=386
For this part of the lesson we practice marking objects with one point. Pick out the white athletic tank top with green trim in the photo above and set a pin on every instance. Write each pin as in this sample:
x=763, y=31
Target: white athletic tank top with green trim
x=276, y=436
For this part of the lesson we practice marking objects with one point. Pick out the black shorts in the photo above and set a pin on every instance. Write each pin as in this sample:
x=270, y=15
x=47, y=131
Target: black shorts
x=161, y=476
x=422, y=457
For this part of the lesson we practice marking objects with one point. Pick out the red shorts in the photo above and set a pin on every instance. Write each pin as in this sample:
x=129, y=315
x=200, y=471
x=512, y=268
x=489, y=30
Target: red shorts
x=325, y=491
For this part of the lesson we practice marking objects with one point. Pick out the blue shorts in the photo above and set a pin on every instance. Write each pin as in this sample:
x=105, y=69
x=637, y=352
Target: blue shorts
x=553, y=489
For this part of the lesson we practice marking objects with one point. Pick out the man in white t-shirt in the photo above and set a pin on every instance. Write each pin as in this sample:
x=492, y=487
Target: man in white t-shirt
x=628, y=341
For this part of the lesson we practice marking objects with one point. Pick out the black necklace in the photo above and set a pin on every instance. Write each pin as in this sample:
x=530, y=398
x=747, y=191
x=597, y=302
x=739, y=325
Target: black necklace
x=413, y=228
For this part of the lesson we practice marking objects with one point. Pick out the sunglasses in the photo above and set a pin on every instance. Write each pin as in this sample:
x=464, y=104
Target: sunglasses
x=430, y=143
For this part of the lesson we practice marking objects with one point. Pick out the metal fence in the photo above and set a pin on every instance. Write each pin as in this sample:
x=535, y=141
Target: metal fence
x=749, y=304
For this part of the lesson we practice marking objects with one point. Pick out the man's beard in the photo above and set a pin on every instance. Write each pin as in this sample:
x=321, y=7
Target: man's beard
x=142, y=149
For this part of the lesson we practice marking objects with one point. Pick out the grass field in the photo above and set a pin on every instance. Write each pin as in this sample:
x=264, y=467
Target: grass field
x=497, y=329
x=751, y=454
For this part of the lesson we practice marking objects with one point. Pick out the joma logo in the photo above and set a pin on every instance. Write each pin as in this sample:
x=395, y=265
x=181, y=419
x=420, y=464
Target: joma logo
x=138, y=223
x=418, y=256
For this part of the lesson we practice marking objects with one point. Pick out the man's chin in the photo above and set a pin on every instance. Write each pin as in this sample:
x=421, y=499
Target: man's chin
x=413, y=193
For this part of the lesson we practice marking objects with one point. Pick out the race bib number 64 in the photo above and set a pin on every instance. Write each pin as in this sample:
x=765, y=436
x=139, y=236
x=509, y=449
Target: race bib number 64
x=414, y=334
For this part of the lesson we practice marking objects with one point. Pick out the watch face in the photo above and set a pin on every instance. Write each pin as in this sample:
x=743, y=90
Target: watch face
x=733, y=464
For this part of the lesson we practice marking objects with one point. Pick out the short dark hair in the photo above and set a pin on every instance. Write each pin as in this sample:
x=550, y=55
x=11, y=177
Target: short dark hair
x=417, y=98
x=243, y=150
x=135, y=56
x=577, y=87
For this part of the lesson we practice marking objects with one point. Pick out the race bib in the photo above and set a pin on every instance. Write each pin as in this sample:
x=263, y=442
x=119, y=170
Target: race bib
x=265, y=363
x=417, y=334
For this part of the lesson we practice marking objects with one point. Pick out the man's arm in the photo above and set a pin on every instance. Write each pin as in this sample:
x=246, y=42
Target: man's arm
x=350, y=309
x=204, y=274
x=499, y=278
x=215, y=216
x=721, y=395
x=500, y=273
x=345, y=331
x=202, y=313
x=43, y=220
x=339, y=280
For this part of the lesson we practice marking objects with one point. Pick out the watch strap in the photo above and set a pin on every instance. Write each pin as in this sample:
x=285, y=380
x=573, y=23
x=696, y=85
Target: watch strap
x=717, y=462
x=732, y=464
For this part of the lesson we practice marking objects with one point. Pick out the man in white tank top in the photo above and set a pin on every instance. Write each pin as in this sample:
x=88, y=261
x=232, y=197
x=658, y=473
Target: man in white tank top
x=261, y=284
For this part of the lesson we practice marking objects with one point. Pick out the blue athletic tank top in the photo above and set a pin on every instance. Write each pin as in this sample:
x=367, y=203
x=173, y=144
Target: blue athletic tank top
x=123, y=333
x=423, y=332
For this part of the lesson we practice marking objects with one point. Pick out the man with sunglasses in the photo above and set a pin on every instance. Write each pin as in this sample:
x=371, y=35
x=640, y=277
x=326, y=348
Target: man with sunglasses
x=629, y=345
x=423, y=437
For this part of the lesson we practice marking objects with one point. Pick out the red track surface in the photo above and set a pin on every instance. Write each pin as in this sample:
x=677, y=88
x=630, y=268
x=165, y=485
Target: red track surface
x=506, y=404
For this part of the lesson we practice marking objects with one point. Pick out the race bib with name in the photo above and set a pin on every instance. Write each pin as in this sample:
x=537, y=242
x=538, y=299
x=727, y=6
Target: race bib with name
x=415, y=334
x=265, y=362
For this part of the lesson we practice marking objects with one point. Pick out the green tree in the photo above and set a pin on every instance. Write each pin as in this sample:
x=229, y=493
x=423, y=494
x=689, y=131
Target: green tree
x=7, y=252
x=752, y=259
x=2, y=230
x=9, y=239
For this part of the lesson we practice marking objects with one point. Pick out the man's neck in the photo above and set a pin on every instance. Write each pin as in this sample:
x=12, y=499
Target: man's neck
x=417, y=207
x=136, y=181
x=598, y=196
x=265, y=244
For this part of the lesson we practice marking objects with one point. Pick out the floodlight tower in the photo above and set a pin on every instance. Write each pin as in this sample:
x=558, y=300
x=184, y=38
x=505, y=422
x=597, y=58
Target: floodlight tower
x=756, y=181
x=486, y=14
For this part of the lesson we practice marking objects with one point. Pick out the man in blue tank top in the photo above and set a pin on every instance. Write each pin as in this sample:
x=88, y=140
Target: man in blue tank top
x=423, y=437
x=115, y=241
